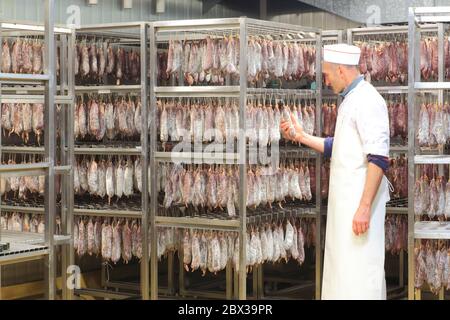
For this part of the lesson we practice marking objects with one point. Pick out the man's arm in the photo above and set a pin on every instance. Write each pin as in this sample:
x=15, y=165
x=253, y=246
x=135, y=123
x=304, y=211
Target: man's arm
x=313, y=142
x=361, y=220
x=316, y=143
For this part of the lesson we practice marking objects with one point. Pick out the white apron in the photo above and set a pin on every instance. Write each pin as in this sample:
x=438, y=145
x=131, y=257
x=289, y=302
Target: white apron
x=353, y=265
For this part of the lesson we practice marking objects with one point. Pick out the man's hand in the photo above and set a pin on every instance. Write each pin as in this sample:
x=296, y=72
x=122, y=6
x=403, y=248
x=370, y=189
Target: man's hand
x=286, y=129
x=361, y=220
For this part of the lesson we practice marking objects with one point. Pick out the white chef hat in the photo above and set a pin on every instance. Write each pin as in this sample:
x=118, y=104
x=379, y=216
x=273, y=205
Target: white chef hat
x=341, y=53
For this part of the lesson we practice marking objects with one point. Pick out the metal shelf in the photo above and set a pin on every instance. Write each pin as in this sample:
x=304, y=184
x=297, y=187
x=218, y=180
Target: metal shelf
x=292, y=209
x=29, y=27
x=396, y=210
x=296, y=152
x=23, y=237
x=108, y=89
x=397, y=206
x=332, y=35
x=107, y=213
x=280, y=27
x=24, y=77
x=397, y=149
x=22, y=209
x=432, y=159
x=127, y=35
x=243, y=27
x=115, y=25
x=38, y=168
x=432, y=85
x=195, y=25
x=423, y=229
x=392, y=89
x=32, y=238
x=108, y=151
x=266, y=91
x=199, y=91
x=197, y=157
x=432, y=230
x=22, y=252
x=17, y=86
x=429, y=10
x=26, y=98
x=387, y=30
x=285, y=152
x=24, y=89
x=22, y=149
x=211, y=25
x=95, y=205
x=442, y=18
x=198, y=223
x=94, y=150
x=24, y=246
x=285, y=149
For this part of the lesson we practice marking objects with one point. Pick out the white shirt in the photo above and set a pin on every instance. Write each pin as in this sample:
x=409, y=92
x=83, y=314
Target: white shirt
x=367, y=111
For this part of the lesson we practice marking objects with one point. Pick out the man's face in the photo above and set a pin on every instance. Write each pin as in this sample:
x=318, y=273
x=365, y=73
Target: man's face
x=333, y=77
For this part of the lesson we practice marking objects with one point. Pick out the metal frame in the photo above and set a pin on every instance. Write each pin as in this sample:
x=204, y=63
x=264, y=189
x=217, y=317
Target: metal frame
x=142, y=38
x=422, y=229
x=47, y=85
x=242, y=26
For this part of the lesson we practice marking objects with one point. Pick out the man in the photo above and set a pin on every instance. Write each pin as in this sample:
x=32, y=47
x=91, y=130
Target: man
x=358, y=192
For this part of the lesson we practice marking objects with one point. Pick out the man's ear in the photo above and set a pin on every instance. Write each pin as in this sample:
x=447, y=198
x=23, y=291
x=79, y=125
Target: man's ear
x=340, y=70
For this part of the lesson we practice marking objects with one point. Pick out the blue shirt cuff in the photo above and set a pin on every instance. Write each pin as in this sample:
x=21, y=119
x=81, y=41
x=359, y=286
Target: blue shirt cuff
x=328, y=147
x=380, y=161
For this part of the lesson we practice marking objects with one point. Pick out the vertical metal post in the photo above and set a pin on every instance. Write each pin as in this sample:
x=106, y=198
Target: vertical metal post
x=441, y=62
x=170, y=278
x=417, y=294
x=318, y=277
x=441, y=71
x=145, y=286
x=63, y=157
x=70, y=153
x=442, y=294
x=50, y=146
x=181, y=287
x=255, y=281
x=242, y=159
x=153, y=166
x=229, y=281
x=235, y=284
x=261, y=282
x=63, y=72
x=349, y=36
x=402, y=269
x=339, y=36
x=412, y=72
